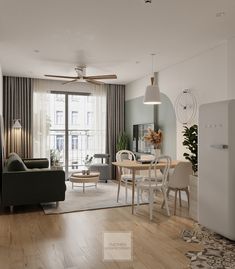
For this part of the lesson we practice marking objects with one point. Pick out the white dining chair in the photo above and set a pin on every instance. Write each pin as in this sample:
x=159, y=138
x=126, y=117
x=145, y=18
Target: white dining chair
x=125, y=174
x=179, y=181
x=151, y=184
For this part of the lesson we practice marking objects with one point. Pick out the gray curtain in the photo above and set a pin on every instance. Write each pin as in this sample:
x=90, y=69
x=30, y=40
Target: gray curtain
x=115, y=118
x=17, y=104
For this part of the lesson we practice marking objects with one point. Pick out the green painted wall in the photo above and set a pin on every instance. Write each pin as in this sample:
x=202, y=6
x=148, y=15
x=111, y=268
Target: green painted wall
x=137, y=113
x=162, y=115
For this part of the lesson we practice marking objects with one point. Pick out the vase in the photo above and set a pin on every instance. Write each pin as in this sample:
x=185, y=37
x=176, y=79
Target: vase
x=157, y=153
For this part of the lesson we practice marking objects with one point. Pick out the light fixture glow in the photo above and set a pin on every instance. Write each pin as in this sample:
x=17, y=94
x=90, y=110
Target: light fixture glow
x=152, y=93
x=16, y=124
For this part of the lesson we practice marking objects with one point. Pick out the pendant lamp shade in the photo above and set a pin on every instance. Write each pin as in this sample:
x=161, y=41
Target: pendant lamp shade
x=152, y=93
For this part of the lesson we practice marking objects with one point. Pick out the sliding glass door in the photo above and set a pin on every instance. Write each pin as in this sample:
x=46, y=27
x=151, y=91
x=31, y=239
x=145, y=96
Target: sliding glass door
x=75, y=128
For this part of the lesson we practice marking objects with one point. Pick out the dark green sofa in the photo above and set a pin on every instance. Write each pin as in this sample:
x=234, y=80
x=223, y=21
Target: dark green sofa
x=30, y=181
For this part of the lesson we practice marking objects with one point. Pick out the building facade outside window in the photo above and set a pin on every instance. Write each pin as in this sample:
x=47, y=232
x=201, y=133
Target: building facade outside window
x=59, y=142
x=74, y=117
x=74, y=142
x=59, y=117
x=90, y=117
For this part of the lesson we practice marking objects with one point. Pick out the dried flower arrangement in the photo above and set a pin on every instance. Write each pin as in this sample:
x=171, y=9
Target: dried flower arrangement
x=155, y=138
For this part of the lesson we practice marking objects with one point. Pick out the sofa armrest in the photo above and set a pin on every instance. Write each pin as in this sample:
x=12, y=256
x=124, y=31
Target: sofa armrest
x=36, y=163
x=32, y=187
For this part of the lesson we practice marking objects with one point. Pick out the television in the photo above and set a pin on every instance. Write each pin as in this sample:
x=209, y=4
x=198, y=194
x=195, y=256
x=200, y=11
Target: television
x=139, y=145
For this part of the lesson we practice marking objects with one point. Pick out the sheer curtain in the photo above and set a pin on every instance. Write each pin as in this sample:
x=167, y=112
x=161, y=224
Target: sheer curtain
x=41, y=120
x=41, y=114
x=99, y=95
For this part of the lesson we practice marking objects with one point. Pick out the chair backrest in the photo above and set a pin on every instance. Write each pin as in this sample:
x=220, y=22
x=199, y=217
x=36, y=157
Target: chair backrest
x=123, y=155
x=180, y=176
x=165, y=171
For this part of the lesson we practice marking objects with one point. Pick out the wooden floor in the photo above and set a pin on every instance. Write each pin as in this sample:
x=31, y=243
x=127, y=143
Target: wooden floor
x=31, y=239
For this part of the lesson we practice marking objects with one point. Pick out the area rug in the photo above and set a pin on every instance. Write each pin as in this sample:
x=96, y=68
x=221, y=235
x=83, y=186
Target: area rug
x=105, y=196
x=218, y=252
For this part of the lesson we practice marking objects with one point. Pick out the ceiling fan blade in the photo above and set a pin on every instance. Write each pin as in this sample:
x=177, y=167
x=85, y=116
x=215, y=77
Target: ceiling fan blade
x=95, y=82
x=55, y=76
x=71, y=81
x=101, y=77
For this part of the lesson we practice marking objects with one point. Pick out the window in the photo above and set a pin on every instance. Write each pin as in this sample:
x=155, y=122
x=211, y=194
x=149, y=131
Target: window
x=59, y=97
x=74, y=118
x=59, y=117
x=60, y=142
x=90, y=118
x=74, y=142
x=89, y=99
x=90, y=144
x=75, y=98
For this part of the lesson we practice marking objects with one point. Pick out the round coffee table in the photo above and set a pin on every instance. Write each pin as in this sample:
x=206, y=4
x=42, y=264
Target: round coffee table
x=79, y=177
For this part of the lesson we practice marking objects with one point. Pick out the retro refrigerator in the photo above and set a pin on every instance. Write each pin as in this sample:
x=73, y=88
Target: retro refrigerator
x=217, y=167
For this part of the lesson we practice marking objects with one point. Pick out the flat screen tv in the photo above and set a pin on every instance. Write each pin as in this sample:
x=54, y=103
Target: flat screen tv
x=138, y=143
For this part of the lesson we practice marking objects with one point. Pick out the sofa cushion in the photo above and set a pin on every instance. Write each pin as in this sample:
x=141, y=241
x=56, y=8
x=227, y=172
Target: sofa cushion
x=15, y=163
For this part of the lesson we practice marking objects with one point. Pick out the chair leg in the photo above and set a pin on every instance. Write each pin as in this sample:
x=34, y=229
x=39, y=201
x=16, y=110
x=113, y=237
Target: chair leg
x=151, y=204
x=166, y=202
x=167, y=195
x=175, y=201
x=119, y=183
x=138, y=197
x=126, y=193
x=142, y=200
x=180, y=198
x=187, y=193
x=168, y=191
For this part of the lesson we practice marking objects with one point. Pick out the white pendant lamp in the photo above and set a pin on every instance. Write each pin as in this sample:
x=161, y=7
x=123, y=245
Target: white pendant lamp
x=152, y=93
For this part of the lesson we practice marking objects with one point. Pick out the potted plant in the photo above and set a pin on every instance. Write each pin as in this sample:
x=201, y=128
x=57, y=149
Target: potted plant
x=191, y=142
x=88, y=161
x=122, y=142
x=54, y=157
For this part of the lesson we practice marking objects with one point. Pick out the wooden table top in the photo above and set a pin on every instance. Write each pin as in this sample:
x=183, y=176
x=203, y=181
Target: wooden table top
x=81, y=175
x=139, y=166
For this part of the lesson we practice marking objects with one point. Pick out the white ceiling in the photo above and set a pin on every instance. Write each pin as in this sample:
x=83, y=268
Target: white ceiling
x=109, y=36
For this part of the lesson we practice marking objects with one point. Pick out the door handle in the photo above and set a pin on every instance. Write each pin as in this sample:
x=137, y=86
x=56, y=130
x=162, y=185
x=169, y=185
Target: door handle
x=220, y=146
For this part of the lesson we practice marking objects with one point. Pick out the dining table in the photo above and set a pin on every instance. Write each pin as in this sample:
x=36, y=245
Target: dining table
x=134, y=166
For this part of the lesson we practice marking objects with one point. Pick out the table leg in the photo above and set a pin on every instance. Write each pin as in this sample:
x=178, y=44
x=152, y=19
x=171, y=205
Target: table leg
x=133, y=190
x=119, y=183
x=83, y=187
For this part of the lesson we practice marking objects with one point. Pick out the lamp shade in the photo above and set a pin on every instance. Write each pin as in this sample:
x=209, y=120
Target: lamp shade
x=152, y=95
x=17, y=124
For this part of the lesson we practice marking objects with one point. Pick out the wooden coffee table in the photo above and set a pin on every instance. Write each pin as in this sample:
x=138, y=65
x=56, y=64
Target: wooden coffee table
x=79, y=177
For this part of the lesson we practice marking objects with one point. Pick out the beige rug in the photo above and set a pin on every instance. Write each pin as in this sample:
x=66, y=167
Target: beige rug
x=105, y=196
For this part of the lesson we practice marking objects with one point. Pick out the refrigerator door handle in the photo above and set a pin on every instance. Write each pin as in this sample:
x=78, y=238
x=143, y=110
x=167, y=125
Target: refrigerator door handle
x=220, y=146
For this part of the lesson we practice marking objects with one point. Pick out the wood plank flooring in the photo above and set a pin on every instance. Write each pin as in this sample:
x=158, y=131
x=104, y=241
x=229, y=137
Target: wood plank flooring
x=31, y=239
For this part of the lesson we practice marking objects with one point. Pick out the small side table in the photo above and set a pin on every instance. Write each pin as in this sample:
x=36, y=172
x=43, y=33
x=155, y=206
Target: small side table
x=78, y=177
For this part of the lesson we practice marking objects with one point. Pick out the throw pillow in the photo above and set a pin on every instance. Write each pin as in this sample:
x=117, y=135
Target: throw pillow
x=15, y=163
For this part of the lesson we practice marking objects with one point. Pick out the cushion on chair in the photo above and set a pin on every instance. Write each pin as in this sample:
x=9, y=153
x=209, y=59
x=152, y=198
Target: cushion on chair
x=15, y=163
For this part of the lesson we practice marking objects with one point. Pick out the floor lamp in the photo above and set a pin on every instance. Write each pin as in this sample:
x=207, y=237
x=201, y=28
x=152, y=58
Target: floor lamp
x=17, y=135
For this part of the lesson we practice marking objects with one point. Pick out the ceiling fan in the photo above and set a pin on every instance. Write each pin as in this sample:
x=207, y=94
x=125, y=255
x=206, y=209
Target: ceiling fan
x=81, y=76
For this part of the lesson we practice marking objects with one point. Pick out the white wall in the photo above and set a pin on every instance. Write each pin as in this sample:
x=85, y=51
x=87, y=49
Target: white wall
x=1, y=105
x=231, y=68
x=205, y=74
